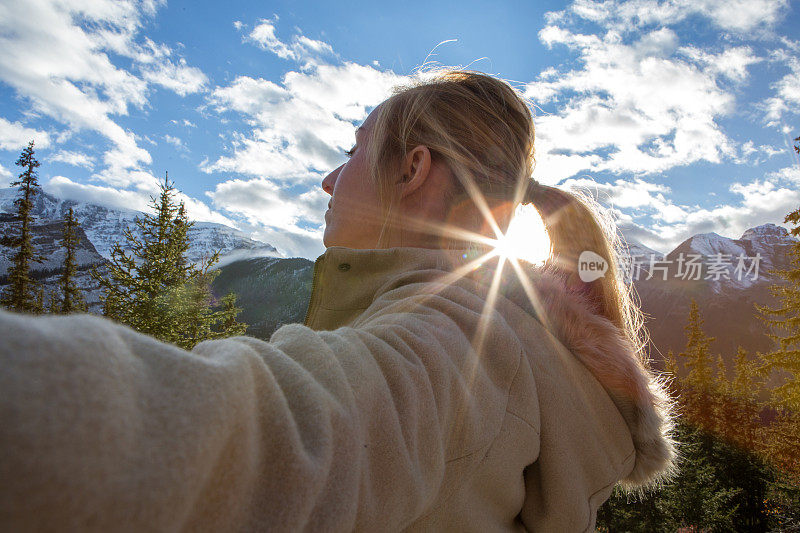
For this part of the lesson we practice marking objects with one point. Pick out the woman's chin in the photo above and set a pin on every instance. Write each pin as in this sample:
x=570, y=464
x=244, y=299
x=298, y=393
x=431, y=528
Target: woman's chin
x=329, y=237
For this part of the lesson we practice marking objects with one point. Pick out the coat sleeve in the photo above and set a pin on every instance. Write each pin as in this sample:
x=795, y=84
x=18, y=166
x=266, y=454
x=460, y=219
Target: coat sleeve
x=106, y=429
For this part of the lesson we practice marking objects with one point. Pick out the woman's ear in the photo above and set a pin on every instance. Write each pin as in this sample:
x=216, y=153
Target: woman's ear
x=415, y=171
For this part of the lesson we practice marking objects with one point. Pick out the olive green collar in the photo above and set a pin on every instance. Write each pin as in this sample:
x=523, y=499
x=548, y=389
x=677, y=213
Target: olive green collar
x=347, y=280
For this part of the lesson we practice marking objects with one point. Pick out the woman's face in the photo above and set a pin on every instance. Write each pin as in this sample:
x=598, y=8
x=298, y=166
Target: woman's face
x=353, y=218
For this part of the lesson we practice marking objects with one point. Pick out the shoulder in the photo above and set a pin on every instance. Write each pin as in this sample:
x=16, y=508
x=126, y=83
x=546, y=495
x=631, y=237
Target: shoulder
x=444, y=302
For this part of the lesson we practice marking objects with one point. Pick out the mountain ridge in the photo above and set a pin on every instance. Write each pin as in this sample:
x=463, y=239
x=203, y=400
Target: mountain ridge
x=105, y=225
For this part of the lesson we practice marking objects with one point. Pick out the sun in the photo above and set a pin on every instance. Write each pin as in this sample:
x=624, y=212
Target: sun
x=526, y=237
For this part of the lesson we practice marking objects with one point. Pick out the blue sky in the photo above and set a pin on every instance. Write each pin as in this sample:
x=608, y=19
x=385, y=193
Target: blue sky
x=678, y=115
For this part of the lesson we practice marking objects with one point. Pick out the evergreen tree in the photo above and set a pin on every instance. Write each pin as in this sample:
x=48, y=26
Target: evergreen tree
x=671, y=365
x=744, y=395
x=156, y=290
x=720, y=486
x=70, y=298
x=706, y=494
x=784, y=322
x=724, y=407
x=699, y=379
x=229, y=326
x=38, y=306
x=21, y=294
x=53, y=302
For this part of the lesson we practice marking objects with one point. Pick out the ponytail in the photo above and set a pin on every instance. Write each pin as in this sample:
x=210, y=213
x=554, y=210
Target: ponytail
x=574, y=224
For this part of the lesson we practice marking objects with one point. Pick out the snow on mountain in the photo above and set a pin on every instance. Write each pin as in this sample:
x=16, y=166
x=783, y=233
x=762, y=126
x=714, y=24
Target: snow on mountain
x=638, y=250
x=104, y=226
x=708, y=244
x=732, y=264
x=766, y=237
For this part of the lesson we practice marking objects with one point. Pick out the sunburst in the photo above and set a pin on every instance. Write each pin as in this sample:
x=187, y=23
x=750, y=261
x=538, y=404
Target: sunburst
x=526, y=237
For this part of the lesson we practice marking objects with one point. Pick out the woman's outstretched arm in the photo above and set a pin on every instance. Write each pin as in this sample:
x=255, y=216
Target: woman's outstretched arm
x=105, y=429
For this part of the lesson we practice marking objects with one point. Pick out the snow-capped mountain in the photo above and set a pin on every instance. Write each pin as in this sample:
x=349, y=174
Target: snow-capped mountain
x=733, y=264
x=104, y=226
x=726, y=297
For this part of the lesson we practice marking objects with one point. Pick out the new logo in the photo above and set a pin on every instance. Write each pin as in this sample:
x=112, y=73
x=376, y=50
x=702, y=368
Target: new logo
x=591, y=266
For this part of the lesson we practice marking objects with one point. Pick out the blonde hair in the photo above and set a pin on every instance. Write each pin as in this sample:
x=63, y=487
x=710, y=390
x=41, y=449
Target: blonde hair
x=482, y=129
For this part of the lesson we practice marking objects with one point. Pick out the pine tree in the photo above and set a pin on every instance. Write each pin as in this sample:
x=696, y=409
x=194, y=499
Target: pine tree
x=722, y=484
x=70, y=298
x=53, y=302
x=744, y=392
x=227, y=316
x=38, y=307
x=785, y=318
x=21, y=294
x=697, y=352
x=671, y=364
x=156, y=290
x=724, y=409
x=697, y=360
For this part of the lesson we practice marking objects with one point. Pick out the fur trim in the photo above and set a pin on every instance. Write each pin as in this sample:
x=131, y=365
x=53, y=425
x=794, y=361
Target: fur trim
x=640, y=395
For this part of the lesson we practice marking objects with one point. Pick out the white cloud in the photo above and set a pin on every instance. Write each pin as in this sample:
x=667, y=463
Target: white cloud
x=183, y=122
x=296, y=131
x=247, y=95
x=301, y=126
x=635, y=197
x=299, y=49
x=291, y=221
x=5, y=176
x=731, y=63
x=290, y=243
x=639, y=103
x=740, y=16
x=787, y=92
x=53, y=61
x=16, y=136
x=75, y=159
x=175, y=141
x=262, y=201
x=638, y=106
x=56, y=57
x=64, y=187
x=200, y=212
x=788, y=175
x=179, y=78
x=761, y=200
x=753, y=155
x=622, y=193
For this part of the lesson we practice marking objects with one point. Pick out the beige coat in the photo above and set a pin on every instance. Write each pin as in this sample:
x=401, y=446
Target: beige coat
x=407, y=402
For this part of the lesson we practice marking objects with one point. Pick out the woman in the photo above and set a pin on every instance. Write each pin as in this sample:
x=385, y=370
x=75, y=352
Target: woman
x=435, y=385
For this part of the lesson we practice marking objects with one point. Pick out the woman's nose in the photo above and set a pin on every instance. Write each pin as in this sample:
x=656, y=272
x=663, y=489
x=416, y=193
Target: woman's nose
x=330, y=181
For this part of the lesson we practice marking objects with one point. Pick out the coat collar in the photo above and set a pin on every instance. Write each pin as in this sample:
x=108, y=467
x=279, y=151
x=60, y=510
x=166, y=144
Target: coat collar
x=347, y=280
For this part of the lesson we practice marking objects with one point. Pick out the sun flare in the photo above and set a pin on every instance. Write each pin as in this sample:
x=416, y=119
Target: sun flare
x=526, y=237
